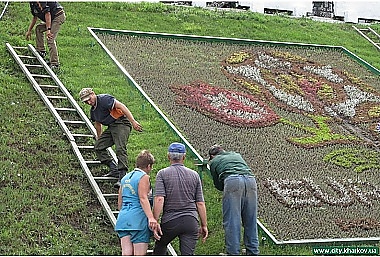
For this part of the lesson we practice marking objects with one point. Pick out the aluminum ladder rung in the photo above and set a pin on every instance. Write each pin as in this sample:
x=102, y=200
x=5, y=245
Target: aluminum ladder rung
x=34, y=65
x=27, y=56
x=117, y=212
x=20, y=47
x=40, y=76
x=49, y=86
x=92, y=162
x=66, y=109
x=74, y=122
x=110, y=195
x=105, y=178
x=85, y=146
x=56, y=97
x=83, y=135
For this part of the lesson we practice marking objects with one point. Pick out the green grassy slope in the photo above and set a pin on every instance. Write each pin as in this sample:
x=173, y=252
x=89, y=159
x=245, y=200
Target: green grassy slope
x=48, y=208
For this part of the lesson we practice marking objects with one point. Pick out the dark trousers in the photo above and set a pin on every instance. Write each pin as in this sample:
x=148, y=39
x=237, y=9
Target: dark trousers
x=40, y=37
x=186, y=228
x=116, y=134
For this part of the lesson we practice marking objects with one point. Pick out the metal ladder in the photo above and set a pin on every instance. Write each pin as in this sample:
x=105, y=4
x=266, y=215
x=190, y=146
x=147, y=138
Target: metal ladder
x=4, y=9
x=75, y=124
x=372, y=36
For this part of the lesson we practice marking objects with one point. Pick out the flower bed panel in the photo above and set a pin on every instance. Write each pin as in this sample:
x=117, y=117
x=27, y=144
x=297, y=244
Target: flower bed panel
x=305, y=118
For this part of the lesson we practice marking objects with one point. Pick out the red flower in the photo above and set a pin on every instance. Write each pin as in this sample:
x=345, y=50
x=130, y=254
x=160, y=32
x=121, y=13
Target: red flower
x=227, y=106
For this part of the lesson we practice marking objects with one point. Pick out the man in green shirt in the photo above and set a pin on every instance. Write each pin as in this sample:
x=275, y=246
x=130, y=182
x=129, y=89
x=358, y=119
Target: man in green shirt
x=232, y=175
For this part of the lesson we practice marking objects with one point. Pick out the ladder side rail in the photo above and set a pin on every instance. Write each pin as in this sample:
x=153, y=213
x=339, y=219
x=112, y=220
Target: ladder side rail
x=70, y=98
x=366, y=37
x=65, y=92
x=374, y=32
x=5, y=8
x=94, y=184
x=171, y=250
x=41, y=93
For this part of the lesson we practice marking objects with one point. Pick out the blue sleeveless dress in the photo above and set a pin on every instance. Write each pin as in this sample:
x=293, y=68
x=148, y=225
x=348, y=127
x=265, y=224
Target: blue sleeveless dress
x=131, y=215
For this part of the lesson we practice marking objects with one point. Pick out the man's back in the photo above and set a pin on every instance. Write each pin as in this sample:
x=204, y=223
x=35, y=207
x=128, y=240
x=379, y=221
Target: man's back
x=225, y=164
x=181, y=187
x=40, y=8
x=179, y=197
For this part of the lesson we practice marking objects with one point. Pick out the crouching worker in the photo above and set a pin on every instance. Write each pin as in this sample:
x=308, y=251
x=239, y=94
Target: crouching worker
x=107, y=111
x=232, y=175
x=135, y=221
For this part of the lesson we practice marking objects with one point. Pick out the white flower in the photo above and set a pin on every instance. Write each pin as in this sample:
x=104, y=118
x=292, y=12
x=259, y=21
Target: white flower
x=355, y=97
x=324, y=71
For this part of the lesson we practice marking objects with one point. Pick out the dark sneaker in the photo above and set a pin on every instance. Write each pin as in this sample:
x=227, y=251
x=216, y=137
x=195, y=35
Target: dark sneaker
x=112, y=174
x=113, y=169
x=54, y=67
x=42, y=53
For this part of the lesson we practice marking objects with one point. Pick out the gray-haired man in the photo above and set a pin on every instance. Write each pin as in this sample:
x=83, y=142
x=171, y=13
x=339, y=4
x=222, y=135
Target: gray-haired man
x=179, y=195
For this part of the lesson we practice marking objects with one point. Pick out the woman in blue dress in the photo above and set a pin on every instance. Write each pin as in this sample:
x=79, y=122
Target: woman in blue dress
x=135, y=220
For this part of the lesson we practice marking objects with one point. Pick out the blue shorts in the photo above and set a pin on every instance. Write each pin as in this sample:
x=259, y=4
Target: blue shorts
x=137, y=236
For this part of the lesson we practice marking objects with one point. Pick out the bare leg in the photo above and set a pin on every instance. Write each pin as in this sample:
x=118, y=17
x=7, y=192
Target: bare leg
x=140, y=249
x=126, y=246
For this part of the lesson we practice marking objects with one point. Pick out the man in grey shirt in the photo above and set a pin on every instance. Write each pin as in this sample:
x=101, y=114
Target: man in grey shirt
x=179, y=197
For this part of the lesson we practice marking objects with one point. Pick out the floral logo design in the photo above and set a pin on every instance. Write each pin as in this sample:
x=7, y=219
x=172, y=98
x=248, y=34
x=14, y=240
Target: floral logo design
x=293, y=83
x=227, y=106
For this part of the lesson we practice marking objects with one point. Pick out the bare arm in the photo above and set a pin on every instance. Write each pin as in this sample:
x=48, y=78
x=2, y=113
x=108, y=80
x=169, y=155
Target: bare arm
x=119, y=199
x=157, y=209
x=201, y=207
x=48, y=25
x=31, y=26
x=143, y=191
x=48, y=20
x=128, y=114
x=98, y=127
x=158, y=206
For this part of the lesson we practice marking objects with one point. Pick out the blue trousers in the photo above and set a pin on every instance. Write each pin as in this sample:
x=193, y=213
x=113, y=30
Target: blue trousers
x=240, y=208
